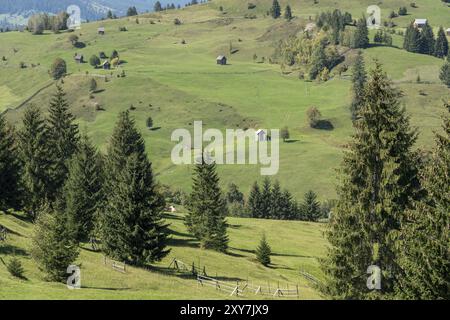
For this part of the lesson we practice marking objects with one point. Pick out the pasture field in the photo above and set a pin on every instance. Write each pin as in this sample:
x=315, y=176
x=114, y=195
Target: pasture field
x=170, y=73
x=177, y=83
x=296, y=246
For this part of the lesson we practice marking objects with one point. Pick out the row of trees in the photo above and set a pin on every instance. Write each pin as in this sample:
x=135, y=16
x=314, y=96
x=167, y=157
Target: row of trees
x=423, y=41
x=73, y=193
x=275, y=11
x=37, y=23
x=271, y=202
x=392, y=210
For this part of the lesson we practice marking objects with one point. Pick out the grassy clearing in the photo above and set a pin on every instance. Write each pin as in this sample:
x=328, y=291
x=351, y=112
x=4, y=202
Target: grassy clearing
x=296, y=245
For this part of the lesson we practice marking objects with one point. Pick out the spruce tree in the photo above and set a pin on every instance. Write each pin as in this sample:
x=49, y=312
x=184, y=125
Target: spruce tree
x=275, y=206
x=53, y=245
x=207, y=208
x=83, y=190
x=361, y=34
x=441, y=46
x=132, y=227
x=9, y=167
x=263, y=251
x=379, y=177
x=34, y=155
x=15, y=268
x=254, y=201
x=62, y=140
x=266, y=198
x=426, y=40
x=310, y=207
x=444, y=74
x=359, y=78
x=288, y=208
x=288, y=13
x=275, y=11
x=234, y=194
x=424, y=254
x=411, y=40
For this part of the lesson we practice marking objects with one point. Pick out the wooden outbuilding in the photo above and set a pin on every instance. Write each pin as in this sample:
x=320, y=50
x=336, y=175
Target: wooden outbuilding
x=222, y=60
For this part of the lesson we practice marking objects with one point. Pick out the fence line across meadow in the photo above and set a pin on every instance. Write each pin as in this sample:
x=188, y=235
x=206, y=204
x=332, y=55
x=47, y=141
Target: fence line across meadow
x=238, y=288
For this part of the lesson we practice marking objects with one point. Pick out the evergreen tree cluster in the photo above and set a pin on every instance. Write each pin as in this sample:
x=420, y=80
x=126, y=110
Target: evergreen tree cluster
x=270, y=202
x=132, y=11
x=423, y=41
x=391, y=212
x=73, y=193
x=40, y=22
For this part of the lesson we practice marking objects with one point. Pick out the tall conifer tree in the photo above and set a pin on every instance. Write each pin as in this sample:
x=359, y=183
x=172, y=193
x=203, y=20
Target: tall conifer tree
x=441, y=47
x=132, y=227
x=378, y=180
x=411, y=40
x=361, y=34
x=359, y=78
x=83, y=190
x=53, y=245
x=254, y=201
x=426, y=40
x=63, y=139
x=9, y=167
x=207, y=208
x=425, y=258
x=275, y=11
x=35, y=157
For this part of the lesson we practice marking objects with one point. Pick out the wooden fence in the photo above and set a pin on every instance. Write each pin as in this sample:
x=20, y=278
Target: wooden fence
x=115, y=265
x=238, y=288
x=232, y=290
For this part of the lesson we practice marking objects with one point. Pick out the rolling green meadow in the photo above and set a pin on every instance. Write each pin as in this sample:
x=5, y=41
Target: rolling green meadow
x=296, y=246
x=178, y=83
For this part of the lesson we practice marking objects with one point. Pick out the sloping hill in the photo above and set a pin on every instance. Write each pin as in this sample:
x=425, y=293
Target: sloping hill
x=295, y=246
x=178, y=83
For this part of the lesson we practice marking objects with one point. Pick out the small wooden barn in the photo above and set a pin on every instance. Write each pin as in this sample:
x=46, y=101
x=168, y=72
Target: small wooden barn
x=222, y=60
x=78, y=58
x=101, y=30
x=106, y=65
x=420, y=23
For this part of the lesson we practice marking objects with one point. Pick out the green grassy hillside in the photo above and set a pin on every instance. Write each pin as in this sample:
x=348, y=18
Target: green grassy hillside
x=177, y=83
x=295, y=246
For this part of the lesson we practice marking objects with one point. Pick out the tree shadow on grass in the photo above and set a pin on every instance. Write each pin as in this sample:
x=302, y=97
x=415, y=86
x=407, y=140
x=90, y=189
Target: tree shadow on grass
x=172, y=216
x=191, y=243
x=324, y=125
x=155, y=128
x=181, y=234
x=79, y=45
x=291, y=140
x=291, y=255
x=109, y=289
x=274, y=266
x=233, y=254
x=12, y=250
